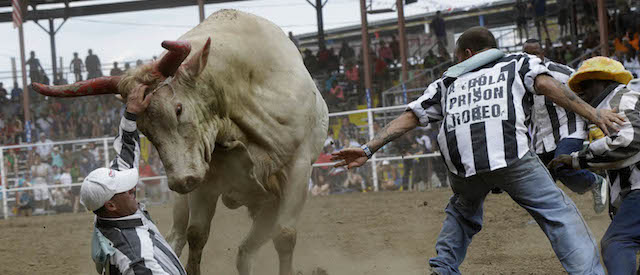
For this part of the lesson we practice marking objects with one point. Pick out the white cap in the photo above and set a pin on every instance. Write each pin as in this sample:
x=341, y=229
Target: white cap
x=101, y=184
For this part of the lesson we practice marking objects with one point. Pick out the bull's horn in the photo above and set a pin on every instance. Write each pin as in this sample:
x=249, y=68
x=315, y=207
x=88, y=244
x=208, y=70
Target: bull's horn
x=96, y=86
x=170, y=62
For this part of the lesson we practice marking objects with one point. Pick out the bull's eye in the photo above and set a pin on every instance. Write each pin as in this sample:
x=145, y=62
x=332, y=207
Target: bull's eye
x=178, y=110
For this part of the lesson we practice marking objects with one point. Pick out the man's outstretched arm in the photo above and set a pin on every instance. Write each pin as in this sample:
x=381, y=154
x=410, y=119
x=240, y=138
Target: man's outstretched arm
x=355, y=157
x=563, y=96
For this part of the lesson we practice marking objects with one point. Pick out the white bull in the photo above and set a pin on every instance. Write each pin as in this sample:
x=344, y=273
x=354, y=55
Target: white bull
x=240, y=119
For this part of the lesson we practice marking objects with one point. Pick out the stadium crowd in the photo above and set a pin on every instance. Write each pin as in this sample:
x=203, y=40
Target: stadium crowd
x=338, y=72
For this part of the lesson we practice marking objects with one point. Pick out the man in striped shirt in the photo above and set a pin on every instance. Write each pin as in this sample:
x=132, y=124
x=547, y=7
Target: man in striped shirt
x=557, y=131
x=484, y=103
x=126, y=241
x=602, y=82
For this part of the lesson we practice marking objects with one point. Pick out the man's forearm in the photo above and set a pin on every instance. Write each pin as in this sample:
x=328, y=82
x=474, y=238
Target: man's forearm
x=393, y=130
x=563, y=96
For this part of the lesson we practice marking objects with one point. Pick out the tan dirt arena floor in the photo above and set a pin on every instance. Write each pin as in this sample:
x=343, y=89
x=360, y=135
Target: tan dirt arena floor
x=364, y=233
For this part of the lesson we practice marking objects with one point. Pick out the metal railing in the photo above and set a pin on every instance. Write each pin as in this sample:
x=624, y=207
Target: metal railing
x=371, y=116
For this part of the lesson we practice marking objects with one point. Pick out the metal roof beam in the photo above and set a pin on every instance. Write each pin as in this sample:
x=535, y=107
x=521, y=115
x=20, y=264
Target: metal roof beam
x=131, y=6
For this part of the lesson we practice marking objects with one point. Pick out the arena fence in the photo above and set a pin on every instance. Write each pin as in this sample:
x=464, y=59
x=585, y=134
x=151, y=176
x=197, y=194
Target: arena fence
x=387, y=163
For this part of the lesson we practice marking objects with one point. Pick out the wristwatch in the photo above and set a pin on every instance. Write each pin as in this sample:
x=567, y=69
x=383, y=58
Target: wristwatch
x=367, y=151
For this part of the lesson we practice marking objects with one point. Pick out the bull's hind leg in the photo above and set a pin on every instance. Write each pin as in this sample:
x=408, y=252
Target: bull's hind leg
x=294, y=196
x=202, y=206
x=177, y=237
x=264, y=221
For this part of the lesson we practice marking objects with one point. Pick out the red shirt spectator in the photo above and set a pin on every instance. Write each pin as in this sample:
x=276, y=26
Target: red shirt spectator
x=337, y=91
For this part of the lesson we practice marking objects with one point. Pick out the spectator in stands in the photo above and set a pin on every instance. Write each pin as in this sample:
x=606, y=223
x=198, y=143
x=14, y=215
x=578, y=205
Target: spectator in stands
x=74, y=171
x=40, y=172
x=16, y=131
x=540, y=12
x=563, y=17
x=16, y=92
x=323, y=58
x=430, y=61
x=346, y=54
x=352, y=74
x=60, y=198
x=127, y=66
x=336, y=94
x=44, y=146
x=24, y=199
x=92, y=63
x=34, y=68
x=395, y=48
x=115, y=71
x=320, y=187
x=44, y=123
x=385, y=52
x=520, y=12
x=44, y=79
x=3, y=94
x=56, y=158
x=354, y=183
x=438, y=28
x=349, y=129
x=333, y=62
x=381, y=71
x=87, y=161
x=310, y=61
x=76, y=67
x=138, y=63
x=388, y=176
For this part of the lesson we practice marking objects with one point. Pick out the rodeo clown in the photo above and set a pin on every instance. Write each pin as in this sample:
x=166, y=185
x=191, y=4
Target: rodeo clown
x=602, y=82
x=557, y=131
x=483, y=103
x=125, y=240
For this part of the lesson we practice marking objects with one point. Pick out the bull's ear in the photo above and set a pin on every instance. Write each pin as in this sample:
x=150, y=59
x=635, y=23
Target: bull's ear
x=197, y=62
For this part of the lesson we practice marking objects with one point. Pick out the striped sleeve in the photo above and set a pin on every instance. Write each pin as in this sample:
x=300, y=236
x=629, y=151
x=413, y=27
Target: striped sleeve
x=622, y=148
x=530, y=68
x=134, y=254
x=127, y=144
x=428, y=107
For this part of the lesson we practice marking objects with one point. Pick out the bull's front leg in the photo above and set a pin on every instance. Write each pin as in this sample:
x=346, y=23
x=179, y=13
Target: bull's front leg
x=202, y=207
x=177, y=237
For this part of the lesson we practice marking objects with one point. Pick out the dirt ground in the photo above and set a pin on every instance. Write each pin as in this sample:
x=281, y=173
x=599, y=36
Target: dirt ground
x=365, y=233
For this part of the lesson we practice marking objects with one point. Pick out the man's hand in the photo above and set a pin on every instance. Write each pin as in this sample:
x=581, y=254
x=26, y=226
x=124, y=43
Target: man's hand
x=136, y=101
x=561, y=161
x=353, y=157
x=605, y=120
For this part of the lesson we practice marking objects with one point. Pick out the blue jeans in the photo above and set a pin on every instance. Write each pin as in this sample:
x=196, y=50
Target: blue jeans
x=530, y=185
x=578, y=181
x=622, y=239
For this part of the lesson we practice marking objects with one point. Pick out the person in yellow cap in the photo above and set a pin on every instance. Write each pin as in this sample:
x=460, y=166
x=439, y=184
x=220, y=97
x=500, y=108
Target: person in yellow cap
x=603, y=83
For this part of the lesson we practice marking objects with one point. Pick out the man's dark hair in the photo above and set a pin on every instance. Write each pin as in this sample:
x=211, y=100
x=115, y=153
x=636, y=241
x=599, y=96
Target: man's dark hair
x=533, y=41
x=100, y=212
x=476, y=39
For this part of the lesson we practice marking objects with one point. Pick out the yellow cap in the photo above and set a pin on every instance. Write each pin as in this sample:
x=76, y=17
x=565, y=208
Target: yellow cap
x=600, y=68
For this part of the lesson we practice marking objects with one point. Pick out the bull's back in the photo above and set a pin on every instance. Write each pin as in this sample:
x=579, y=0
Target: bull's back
x=264, y=78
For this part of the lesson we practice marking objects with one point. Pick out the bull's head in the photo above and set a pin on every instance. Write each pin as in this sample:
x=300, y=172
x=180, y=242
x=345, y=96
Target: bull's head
x=181, y=120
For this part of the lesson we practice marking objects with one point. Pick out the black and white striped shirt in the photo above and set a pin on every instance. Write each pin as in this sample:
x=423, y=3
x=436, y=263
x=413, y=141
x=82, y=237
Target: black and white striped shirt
x=552, y=123
x=139, y=246
x=620, y=152
x=485, y=113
